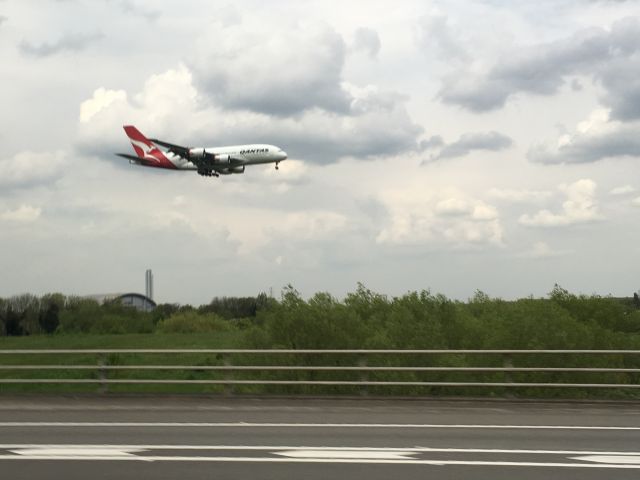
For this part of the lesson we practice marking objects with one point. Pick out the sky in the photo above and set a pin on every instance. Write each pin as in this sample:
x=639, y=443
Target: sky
x=452, y=145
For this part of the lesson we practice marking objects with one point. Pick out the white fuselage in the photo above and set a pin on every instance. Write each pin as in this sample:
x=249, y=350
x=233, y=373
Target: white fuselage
x=253, y=154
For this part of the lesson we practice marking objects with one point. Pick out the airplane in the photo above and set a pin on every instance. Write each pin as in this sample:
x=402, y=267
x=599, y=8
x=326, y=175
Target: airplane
x=209, y=162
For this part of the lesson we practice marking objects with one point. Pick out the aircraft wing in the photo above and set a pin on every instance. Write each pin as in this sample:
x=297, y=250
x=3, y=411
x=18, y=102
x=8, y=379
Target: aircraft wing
x=177, y=149
x=202, y=163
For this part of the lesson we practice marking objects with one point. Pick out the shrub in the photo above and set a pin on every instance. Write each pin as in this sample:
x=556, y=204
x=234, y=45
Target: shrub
x=192, y=322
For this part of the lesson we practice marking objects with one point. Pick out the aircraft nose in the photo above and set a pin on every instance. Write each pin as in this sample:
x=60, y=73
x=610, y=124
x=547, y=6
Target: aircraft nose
x=284, y=154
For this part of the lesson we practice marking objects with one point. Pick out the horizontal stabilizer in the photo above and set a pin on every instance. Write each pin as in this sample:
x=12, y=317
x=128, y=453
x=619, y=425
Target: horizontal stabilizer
x=135, y=158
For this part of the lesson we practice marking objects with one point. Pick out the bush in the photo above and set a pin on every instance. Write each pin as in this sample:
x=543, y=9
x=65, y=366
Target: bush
x=192, y=322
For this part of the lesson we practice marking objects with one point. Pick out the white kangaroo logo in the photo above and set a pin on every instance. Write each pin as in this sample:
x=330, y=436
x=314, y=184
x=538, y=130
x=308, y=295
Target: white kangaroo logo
x=146, y=149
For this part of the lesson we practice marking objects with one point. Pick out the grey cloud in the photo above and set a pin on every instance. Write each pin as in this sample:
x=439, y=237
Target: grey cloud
x=73, y=42
x=622, y=82
x=3, y=19
x=128, y=6
x=623, y=141
x=436, y=33
x=280, y=73
x=543, y=69
x=434, y=141
x=367, y=40
x=468, y=142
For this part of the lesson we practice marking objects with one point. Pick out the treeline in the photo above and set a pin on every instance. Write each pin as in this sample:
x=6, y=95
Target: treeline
x=363, y=319
x=59, y=314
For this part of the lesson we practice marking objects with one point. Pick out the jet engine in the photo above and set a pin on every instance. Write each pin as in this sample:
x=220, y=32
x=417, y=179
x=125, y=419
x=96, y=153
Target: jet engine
x=231, y=170
x=197, y=153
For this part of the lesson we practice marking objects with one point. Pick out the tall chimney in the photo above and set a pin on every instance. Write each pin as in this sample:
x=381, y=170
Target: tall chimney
x=149, y=283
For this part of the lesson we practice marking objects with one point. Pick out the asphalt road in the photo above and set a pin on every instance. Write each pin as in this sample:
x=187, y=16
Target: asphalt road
x=207, y=438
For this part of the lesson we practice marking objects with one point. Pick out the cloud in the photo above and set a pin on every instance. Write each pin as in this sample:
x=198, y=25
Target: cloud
x=621, y=80
x=130, y=7
x=23, y=214
x=367, y=40
x=28, y=169
x=579, y=207
x=376, y=123
x=542, y=250
x=432, y=143
x=73, y=42
x=435, y=32
x=282, y=71
x=309, y=225
x=102, y=99
x=596, y=138
x=518, y=195
x=543, y=69
x=622, y=190
x=442, y=221
x=468, y=142
x=3, y=19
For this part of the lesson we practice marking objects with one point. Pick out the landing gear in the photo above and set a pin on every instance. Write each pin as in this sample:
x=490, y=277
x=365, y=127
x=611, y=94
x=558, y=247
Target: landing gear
x=277, y=167
x=208, y=173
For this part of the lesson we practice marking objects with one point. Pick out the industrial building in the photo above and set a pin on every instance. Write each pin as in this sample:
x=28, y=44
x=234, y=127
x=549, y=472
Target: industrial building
x=141, y=302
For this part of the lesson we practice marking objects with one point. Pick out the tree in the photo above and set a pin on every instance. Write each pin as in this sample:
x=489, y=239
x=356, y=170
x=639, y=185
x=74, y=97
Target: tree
x=49, y=319
x=12, y=323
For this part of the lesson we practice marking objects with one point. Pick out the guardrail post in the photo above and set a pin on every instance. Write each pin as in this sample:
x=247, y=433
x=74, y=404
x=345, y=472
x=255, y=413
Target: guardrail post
x=507, y=362
x=226, y=361
x=102, y=374
x=364, y=375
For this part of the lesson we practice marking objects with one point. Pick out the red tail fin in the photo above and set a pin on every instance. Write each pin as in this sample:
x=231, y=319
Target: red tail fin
x=141, y=144
x=146, y=150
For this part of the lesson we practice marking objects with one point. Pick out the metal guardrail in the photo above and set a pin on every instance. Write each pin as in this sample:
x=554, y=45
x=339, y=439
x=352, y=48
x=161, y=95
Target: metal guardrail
x=359, y=364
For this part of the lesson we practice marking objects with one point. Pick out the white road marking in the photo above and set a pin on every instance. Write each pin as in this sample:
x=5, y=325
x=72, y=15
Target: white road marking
x=292, y=454
x=311, y=447
x=628, y=459
x=342, y=453
x=308, y=425
x=77, y=451
x=321, y=460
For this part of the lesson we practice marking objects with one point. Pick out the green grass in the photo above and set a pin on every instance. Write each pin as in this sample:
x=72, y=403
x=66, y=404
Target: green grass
x=230, y=339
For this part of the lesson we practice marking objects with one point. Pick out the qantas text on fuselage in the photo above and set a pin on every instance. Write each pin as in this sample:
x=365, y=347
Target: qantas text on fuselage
x=209, y=162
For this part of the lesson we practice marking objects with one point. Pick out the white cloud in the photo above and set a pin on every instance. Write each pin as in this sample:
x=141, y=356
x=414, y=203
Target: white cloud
x=518, y=195
x=22, y=214
x=622, y=190
x=28, y=169
x=441, y=221
x=579, y=207
x=311, y=225
x=101, y=99
x=596, y=138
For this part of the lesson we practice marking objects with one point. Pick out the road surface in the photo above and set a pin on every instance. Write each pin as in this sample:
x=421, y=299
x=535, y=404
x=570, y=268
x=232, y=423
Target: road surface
x=206, y=438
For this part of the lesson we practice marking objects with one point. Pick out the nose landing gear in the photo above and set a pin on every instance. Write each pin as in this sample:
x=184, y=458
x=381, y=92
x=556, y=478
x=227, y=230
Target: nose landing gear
x=277, y=167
